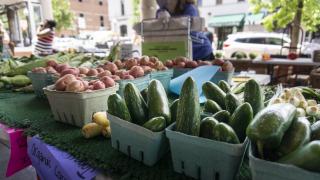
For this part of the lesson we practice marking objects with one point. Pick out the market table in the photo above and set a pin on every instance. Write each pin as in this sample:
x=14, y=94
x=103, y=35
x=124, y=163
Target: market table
x=34, y=115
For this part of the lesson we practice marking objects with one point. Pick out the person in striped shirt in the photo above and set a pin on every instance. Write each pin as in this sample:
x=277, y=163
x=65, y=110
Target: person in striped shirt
x=45, y=34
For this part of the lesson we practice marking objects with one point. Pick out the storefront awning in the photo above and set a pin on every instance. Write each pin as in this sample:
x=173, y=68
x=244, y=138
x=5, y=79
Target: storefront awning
x=254, y=19
x=227, y=20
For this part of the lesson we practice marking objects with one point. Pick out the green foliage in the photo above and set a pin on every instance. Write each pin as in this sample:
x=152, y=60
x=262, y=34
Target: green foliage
x=62, y=14
x=282, y=12
x=136, y=11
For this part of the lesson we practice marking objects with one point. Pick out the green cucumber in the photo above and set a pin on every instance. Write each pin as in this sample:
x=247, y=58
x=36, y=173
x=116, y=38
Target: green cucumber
x=213, y=92
x=156, y=124
x=223, y=132
x=306, y=157
x=315, y=131
x=253, y=94
x=144, y=94
x=158, y=101
x=136, y=105
x=224, y=86
x=269, y=126
x=173, y=111
x=117, y=107
x=222, y=116
x=296, y=136
x=206, y=127
x=240, y=120
x=211, y=107
x=239, y=88
x=188, y=113
x=232, y=102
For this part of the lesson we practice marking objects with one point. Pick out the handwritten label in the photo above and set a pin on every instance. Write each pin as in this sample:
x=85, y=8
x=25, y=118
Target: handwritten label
x=52, y=163
x=19, y=158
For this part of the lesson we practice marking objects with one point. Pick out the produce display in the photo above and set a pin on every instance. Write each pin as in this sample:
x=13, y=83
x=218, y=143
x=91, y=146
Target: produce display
x=100, y=126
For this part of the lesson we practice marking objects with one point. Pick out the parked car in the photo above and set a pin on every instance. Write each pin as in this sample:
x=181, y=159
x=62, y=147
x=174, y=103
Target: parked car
x=258, y=43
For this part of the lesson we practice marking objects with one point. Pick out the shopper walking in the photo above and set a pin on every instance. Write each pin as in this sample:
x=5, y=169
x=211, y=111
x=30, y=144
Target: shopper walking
x=45, y=34
x=4, y=43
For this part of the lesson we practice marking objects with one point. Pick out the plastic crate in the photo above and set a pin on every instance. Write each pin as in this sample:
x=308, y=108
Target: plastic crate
x=179, y=71
x=163, y=76
x=203, y=158
x=267, y=170
x=77, y=108
x=39, y=81
x=137, y=142
x=141, y=83
x=227, y=76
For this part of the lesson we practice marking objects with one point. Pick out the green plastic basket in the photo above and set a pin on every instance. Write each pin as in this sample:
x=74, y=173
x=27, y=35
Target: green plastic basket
x=39, y=81
x=137, y=142
x=267, y=170
x=163, y=76
x=141, y=83
x=204, y=159
x=77, y=108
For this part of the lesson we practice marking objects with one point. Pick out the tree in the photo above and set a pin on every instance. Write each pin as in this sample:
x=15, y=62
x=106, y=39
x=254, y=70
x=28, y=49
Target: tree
x=136, y=11
x=296, y=13
x=62, y=14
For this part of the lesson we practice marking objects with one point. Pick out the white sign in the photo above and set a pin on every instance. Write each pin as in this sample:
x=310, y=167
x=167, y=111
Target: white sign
x=81, y=23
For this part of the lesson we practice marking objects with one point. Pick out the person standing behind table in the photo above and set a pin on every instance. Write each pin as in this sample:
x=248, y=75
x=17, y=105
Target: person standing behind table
x=4, y=43
x=45, y=34
x=201, y=46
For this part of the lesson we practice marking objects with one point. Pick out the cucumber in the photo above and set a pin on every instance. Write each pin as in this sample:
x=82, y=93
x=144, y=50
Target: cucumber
x=188, y=113
x=239, y=88
x=240, y=120
x=224, y=86
x=222, y=116
x=253, y=94
x=206, y=127
x=158, y=101
x=136, y=105
x=173, y=111
x=232, y=102
x=213, y=92
x=144, y=94
x=223, y=132
x=156, y=124
x=315, y=131
x=117, y=107
x=306, y=157
x=296, y=136
x=211, y=107
x=268, y=127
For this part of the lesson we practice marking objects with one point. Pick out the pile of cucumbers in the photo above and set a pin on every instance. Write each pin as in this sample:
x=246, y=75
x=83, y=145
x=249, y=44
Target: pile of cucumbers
x=152, y=112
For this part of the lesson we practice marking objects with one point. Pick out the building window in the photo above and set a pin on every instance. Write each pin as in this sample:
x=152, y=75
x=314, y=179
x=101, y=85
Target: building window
x=100, y=2
x=123, y=30
x=122, y=8
x=101, y=21
x=218, y=2
x=81, y=15
x=80, y=0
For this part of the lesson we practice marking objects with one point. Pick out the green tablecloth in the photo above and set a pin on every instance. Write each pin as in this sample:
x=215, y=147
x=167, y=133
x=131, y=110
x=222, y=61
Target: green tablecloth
x=26, y=111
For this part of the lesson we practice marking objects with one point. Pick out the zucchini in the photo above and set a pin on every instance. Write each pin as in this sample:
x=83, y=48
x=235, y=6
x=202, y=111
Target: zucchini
x=156, y=124
x=188, y=113
x=223, y=132
x=206, y=127
x=211, y=107
x=224, y=86
x=144, y=94
x=213, y=92
x=173, y=111
x=222, y=116
x=315, y=131
x=253, y=94
x=117, y=107
x=231, y=102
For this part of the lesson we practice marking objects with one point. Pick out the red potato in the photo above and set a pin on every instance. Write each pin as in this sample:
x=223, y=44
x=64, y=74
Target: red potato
x=98, y=85
x=91, y=82
x=130, y=63
x=144, y=61
x=92, y=72
x=73, y=71
x=146, y=69
x=51, y=63
x=89, y=90
x=75, y=86
x=110, y=67
x=121, y=73
x=128, y=77
x=153, y=59
x=218, y=62
x=100, y=70
x=191, y=64
x=163, y=68
x=83, y=70
x=227, y=66
x=82, y=75
x=136, y=71
x=85, y=84
x=51, y=70
x=61, y=67
x=115, y=78
x=119, y=64
x=180, y=65
x=169, y=63
x=204, y=63
x=151, y=64
x=108, y=81
x=39, y=70
x=104, y=73
x=158, y=65
x=62, y=83
x=180, y=59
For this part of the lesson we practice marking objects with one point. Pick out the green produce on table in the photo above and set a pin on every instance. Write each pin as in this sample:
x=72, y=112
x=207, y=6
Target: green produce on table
x=231, y=102
x=1, y=85
x=137, y=106
x=158, y=102
x=306, y=157
x=224, y=86
x=240, y=120
x=296, y=136
x=310, y=93
x=174, y=110
x=26, y=89
x=213, y=92
x=117, y=107
x=269, y=126
x=222, y=116
x=315, y=131
x=156, y=124
x=224, y=133
x=211, y=106
x=253, y=94
x=239, y=88
x=206, y=127
x=144, y=94
x=188, y=112
x=18, y=80
x=114, y=53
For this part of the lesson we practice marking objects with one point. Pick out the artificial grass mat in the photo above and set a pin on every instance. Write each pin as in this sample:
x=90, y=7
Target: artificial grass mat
x=26, y=111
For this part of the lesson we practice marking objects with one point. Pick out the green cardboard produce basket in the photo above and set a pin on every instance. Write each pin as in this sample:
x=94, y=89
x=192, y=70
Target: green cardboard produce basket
x=267, y=170
x=40, y=81
x=141, y=83
x=204, y=159
x=137, y=142
x=77, y=108
x=164, y=77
